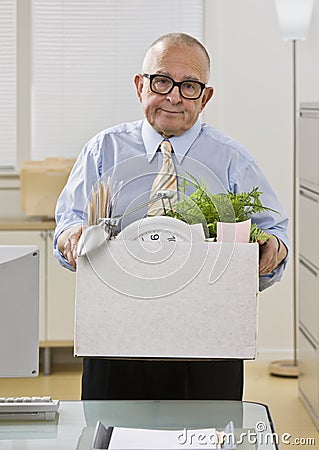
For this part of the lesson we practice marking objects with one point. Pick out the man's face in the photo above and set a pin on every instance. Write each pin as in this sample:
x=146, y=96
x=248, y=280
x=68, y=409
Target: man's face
x=171, y=114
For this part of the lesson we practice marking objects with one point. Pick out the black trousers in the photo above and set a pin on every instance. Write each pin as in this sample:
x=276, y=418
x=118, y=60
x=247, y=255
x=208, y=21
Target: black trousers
x=105, y=379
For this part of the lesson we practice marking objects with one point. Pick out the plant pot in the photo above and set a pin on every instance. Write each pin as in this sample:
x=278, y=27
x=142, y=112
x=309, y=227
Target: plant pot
x=234, y=232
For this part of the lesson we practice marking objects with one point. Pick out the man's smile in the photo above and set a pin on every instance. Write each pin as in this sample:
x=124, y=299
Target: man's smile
x=169, y=111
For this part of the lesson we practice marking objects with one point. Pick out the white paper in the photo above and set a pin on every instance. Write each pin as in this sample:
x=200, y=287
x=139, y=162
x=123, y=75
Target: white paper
x=133, y=438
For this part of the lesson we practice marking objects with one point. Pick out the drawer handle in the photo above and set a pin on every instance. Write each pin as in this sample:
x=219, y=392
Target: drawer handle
x=308, y=267
x=308, y=339
x=309, y=114
x=312, y=197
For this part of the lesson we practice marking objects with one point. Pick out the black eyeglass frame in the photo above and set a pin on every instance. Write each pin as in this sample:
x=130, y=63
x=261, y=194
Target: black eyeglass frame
x=175, y=83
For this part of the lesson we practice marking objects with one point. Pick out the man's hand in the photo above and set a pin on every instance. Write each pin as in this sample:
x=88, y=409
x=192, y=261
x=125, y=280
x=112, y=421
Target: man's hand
x=272, y=253
x=67, y=243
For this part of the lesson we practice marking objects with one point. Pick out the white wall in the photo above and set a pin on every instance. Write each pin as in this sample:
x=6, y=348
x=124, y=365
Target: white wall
x=252, y=74
x=10, y=197
x=308, y=61
x=252, y=103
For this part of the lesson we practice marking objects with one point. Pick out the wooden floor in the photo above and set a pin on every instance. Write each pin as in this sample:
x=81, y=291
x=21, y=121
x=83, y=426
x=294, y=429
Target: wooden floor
x=280, y=394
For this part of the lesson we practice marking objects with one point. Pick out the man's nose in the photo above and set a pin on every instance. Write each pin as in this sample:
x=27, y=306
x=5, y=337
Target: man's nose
x=174, y=96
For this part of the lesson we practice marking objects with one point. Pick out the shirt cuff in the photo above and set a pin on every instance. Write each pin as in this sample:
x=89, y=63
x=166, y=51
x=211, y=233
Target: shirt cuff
x=267, y=280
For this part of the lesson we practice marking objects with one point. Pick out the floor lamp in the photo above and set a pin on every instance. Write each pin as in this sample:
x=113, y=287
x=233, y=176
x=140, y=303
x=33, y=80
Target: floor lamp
x=294, y=19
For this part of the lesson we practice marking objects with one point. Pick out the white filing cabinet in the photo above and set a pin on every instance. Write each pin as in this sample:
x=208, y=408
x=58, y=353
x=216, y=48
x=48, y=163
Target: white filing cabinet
x=57, y=285
x=308, y=354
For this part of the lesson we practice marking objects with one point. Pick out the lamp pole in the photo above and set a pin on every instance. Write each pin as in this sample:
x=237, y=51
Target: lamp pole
x=294, y=17
x=295, y=208
x=288, y=368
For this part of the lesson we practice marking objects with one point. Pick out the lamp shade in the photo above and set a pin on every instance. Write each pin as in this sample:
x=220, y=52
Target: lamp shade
x=294, y=18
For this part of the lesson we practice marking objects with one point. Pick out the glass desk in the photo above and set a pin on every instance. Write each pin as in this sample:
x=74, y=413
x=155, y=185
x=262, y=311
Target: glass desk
x=75, y=423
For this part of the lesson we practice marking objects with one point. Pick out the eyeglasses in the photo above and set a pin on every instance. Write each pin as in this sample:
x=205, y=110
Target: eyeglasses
x=163, y=85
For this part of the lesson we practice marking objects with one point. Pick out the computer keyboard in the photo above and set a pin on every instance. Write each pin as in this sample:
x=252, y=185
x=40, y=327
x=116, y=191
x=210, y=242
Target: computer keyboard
x=28, y=408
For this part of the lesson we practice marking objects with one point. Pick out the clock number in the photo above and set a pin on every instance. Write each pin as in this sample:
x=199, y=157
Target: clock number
x=171, y=238
x=154, y=237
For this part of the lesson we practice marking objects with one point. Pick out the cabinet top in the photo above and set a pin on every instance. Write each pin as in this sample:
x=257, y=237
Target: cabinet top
x=26, y=224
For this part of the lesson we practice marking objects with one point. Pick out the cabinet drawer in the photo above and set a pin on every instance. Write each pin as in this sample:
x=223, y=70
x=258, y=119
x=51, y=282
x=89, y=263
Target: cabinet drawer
x=308, y=225
x=309, y=298
x=309, y=372
x=309, y=147
x=34, y=238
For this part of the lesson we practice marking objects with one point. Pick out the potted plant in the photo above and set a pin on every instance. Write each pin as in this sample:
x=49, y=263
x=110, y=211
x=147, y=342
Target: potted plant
x=217, y=211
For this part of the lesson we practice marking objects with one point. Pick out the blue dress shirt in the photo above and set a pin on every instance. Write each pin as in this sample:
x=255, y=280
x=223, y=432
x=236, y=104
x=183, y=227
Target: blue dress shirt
x=128, y=152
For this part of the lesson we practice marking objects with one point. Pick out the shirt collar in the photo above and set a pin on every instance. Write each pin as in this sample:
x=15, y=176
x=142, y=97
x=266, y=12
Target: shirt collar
x=180, y=144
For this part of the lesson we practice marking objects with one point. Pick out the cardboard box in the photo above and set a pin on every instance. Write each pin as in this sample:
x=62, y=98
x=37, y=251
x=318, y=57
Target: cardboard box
x=41, y=183
x=186, y=301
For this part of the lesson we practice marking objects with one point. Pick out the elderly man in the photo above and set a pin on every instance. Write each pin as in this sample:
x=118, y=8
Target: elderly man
x=173, y=91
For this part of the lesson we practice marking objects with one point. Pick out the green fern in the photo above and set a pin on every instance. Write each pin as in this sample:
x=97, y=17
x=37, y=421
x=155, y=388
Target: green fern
x=203, y=206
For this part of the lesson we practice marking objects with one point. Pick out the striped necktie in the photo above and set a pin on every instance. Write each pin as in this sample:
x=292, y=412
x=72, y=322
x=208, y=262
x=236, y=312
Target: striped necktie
x=165, y=180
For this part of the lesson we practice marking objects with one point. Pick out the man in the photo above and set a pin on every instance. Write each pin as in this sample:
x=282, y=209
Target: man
x=173, y=92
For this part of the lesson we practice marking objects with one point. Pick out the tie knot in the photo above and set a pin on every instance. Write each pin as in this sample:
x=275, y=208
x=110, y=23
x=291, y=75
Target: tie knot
x=166, y=149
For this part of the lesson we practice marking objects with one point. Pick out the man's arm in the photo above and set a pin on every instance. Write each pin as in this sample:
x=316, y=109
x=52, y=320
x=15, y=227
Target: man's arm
x=67, y=243
x=273, y=257
x=71, y=209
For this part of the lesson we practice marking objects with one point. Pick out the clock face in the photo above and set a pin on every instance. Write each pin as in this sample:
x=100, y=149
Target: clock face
x=157, y=229
x=161, y=235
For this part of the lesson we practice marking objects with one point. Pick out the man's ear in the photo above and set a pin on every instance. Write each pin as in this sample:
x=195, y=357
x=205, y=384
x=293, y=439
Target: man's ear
x=138, y=81
x=208, y=93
